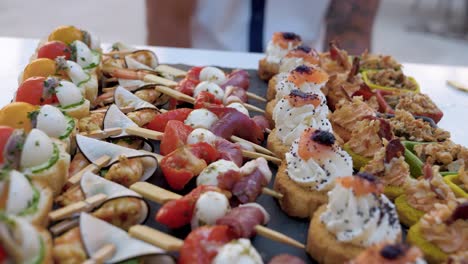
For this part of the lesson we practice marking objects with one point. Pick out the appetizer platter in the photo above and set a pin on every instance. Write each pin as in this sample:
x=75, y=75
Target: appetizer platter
x=109, y=156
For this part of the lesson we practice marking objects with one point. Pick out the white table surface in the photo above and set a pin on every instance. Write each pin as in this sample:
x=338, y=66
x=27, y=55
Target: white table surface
x=15, y=54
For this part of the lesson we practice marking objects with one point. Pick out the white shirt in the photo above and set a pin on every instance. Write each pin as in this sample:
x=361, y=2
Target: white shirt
x=224, y=24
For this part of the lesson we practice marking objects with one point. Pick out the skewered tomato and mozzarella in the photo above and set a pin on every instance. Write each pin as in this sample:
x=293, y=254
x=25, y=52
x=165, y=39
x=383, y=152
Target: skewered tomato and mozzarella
x=207, y=205
x=244, y=183
x=217, y=244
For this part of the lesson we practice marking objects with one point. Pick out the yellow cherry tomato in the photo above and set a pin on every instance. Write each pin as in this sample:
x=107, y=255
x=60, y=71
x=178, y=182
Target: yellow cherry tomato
x=66, y=34
x=42, y=67
x=16, y=115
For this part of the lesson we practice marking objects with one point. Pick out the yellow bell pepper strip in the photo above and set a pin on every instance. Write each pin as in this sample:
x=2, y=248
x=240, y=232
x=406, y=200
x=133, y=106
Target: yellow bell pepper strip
x=432, y=253
x=406, y=213
x=393, y=192
x=453, y=182
x=358, y=160
x=367, y=80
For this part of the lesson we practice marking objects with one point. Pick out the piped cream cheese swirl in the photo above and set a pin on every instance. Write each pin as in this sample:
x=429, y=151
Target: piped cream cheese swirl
x=362, y=220
x=292, y=120
x=318, y=173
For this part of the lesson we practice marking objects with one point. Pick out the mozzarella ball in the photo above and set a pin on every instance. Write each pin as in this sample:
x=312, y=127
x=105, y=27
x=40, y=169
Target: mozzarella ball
x=212, y=74
x=209, y=207
x=37, y=149
x=238, y=251
x=201, y=118
x=239, y=107
x=210, y=87
x=52, y=121
x=201, y=135
x=209, y=175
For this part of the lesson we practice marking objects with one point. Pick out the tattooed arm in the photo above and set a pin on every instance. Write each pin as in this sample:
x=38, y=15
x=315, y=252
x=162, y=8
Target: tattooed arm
x=350, y=24
x=169, y=22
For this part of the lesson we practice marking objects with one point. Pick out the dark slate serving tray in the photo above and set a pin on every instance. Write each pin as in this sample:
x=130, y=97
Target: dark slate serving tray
x=293, y=227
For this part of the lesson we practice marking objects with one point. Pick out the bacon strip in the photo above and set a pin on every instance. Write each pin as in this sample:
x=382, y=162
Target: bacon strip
x=394, y=149
x=229, y=151
x=233, y=122
x=249, y=187
x=242, y=220
x=239, y=78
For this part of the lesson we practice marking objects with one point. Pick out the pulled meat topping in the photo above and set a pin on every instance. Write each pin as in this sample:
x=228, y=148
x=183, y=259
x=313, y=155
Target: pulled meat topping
x=448, y=155
x=389, y=165
x=449, y=236
x=366, y=139
x=423, y=193
x=406, y=127
x=392, y=78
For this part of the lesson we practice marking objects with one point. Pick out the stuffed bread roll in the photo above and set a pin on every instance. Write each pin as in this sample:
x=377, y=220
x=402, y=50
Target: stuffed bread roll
x=24, y=198
x=24, y=242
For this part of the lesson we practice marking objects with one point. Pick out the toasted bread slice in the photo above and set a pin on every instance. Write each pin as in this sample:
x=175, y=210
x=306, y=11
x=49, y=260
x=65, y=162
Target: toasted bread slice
x=323, y=246
x=266, y=69
x=275, y=145
x=270, y=106
x=271, y=90
x=297, y=201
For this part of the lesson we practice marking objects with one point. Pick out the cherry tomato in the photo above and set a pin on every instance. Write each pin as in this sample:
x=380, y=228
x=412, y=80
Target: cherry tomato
x=66, y=34
x=54, y=49
x=206, y=99
x=32, y=91
x=180, y=166
x=202, y=244
x=175, y=136
x=178, y=213
x=39, y=67
x=205, y=152
x=160, y=121
x=16, y=115
x=194, y=73
x=187, y=86
x=5, y=133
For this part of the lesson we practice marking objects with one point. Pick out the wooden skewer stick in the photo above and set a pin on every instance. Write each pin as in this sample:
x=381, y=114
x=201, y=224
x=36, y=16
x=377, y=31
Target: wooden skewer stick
x=101, y=134
x=272, y=193
x=143, y=132
x=256, y=97
x=124, y=110
x=151, y=78
x=103, y=254
x=254, y=155
x=255, y=146
x=81, y=206
x=155, y=237
x=161, y=196
x=277, y=236
x=458, y=85
x=93, y=167
x=63, y=226
x=170, y=70
x=154, y=193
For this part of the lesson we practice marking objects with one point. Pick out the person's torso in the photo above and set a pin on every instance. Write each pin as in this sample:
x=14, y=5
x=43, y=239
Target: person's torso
x=225, y=24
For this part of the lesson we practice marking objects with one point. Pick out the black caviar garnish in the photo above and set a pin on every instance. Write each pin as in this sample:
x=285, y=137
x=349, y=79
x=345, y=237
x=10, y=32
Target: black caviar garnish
x=367, y=176
x=323, y=137
x=291, y=36
x=304, y=48
x=303, y=69
x=393, y=251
